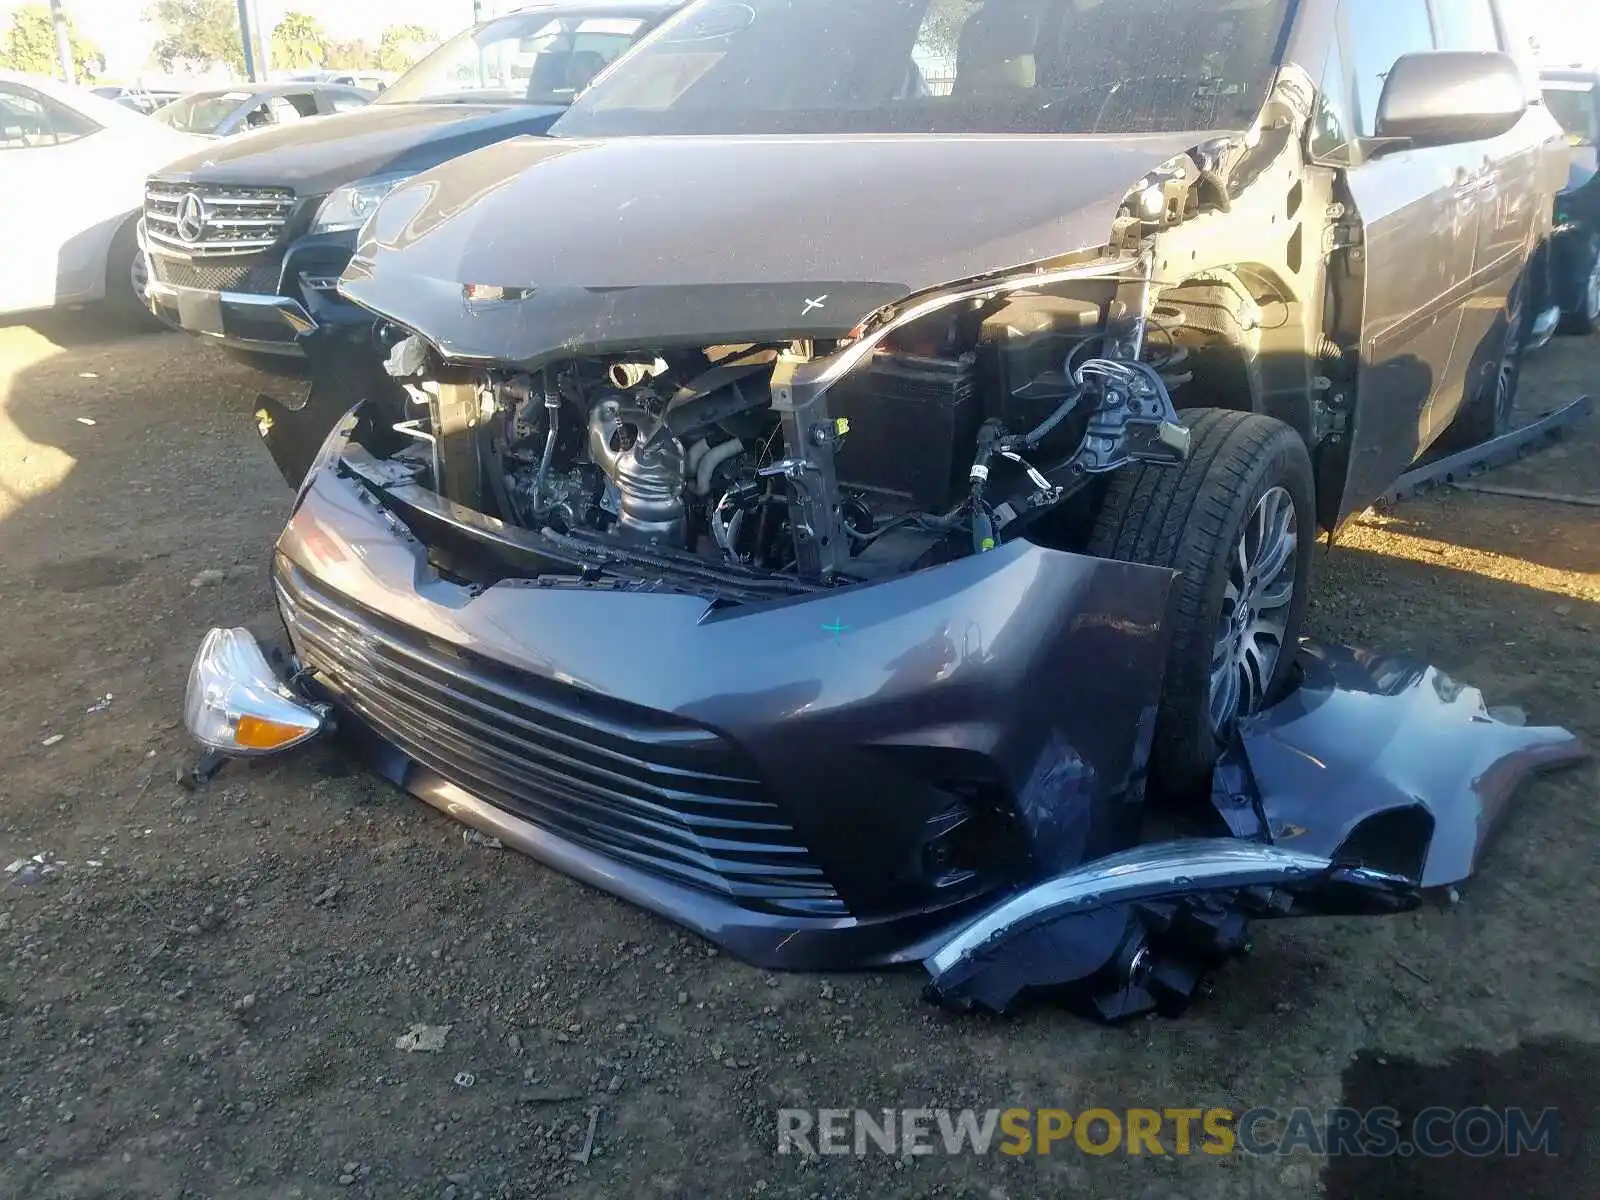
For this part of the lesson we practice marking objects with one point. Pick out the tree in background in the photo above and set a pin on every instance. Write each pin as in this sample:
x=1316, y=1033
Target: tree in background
x=298, y=41
x=941, y=26
x=30, y=45
x=197, y=33
x=402, y=45
x=348, y=56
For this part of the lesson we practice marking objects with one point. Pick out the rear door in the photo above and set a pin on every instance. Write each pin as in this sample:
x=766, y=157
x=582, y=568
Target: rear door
x=1419, y=220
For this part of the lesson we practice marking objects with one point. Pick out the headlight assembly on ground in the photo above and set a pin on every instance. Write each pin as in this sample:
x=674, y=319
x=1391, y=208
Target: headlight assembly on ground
x=235, y=704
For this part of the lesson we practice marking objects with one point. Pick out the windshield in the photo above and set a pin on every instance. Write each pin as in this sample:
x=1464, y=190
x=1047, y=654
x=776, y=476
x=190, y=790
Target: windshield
x=536, y=58
x=1574, y=106
x=942, y=66
x=201, y=113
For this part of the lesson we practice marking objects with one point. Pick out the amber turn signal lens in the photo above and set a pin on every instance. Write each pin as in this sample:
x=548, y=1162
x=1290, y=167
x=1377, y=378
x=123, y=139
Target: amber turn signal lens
x=236, y=704
x=258, y=733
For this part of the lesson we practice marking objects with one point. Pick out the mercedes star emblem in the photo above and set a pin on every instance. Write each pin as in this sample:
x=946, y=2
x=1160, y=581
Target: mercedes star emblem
x=191, y=218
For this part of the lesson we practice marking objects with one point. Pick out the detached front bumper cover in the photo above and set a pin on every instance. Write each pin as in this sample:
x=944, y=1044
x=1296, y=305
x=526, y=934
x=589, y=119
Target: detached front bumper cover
x=1142, y=929
x=236, y=705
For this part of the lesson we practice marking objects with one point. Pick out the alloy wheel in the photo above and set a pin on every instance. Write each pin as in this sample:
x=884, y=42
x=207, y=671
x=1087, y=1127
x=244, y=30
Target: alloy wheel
x=1505, y=379
x=1592, y=296
x=1256, y=603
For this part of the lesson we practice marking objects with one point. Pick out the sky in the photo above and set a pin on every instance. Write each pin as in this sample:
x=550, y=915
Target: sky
x=125, y=37
x=1566, y=28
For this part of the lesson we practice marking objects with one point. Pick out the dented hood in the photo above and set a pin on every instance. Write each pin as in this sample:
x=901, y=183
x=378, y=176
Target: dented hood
x=677, y=240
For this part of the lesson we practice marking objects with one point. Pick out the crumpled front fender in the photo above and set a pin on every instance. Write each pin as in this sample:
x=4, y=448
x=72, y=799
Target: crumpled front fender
x=1383, y=761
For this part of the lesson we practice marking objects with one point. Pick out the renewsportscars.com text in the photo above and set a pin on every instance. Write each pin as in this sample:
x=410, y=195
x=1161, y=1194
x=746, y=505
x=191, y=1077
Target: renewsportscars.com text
x=1434, y=1132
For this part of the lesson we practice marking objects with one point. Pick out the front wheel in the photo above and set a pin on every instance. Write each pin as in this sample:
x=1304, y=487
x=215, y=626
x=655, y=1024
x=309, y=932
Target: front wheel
x=1237, y=521
x=127, y=278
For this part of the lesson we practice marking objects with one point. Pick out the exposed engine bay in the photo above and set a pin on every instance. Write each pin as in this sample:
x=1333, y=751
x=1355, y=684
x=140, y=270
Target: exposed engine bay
x=956, y=432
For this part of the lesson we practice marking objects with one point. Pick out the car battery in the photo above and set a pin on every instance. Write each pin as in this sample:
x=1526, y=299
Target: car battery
x=913, y=428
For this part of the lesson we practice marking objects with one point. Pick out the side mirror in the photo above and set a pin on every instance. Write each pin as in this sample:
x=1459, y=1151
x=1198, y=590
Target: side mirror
x=1442, y=97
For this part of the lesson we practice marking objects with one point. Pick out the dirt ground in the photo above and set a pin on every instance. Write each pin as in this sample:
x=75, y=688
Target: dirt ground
x=203, y=1000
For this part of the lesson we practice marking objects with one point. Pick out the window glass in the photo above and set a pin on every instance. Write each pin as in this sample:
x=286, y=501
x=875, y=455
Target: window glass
x=1330, y=124
x=1516, y=36
x=943, y=66
x=532, y=56
x=28, y=120
x=346, y=103
x=203, y=112
x=1576, y=107
x=1379, y=33
x=304, y=103
x=280, y=111
x=1465, y=25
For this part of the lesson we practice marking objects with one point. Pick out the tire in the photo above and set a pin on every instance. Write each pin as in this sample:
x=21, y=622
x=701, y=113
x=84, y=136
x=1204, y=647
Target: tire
x=1193, y=518
x=123, y=303
x=1585, y=318
x=1490, y=409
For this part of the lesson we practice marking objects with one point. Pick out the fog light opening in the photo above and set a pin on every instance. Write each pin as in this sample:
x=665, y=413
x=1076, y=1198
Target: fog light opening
x=968, y=842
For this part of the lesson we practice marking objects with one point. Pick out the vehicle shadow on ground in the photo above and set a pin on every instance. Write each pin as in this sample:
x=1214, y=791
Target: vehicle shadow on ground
x=1544, y=1075
x=1521, y=631
x=127, y=470
x=78, y=328
x=1543, y=532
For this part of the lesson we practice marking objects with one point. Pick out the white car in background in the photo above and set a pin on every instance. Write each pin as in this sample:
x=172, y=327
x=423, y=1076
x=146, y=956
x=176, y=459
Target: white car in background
x=72, y=172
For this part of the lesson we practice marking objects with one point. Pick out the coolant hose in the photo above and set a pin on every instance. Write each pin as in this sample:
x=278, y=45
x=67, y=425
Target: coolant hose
x=711, y=460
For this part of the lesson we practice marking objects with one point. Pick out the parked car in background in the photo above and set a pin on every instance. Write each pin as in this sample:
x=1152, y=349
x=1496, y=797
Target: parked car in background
x=865, y=435
x=1574, y=97
x=224, y=111
x=137, y=98
x=247, y=238
x=72, y=171
x=367, y=81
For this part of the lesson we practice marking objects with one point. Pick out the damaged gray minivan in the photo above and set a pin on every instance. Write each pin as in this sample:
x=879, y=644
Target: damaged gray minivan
x=811, y=491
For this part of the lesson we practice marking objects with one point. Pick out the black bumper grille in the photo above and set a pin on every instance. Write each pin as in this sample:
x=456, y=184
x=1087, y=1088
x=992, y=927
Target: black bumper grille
x=639, y=786
x=256, y=275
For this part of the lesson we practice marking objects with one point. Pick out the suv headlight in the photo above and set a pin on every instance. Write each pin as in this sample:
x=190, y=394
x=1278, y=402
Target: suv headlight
x=348, y=207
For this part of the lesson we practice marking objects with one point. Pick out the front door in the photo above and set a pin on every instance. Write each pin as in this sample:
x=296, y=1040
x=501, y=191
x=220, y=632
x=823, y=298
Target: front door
x=1503, y=184
x=1419, y=215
